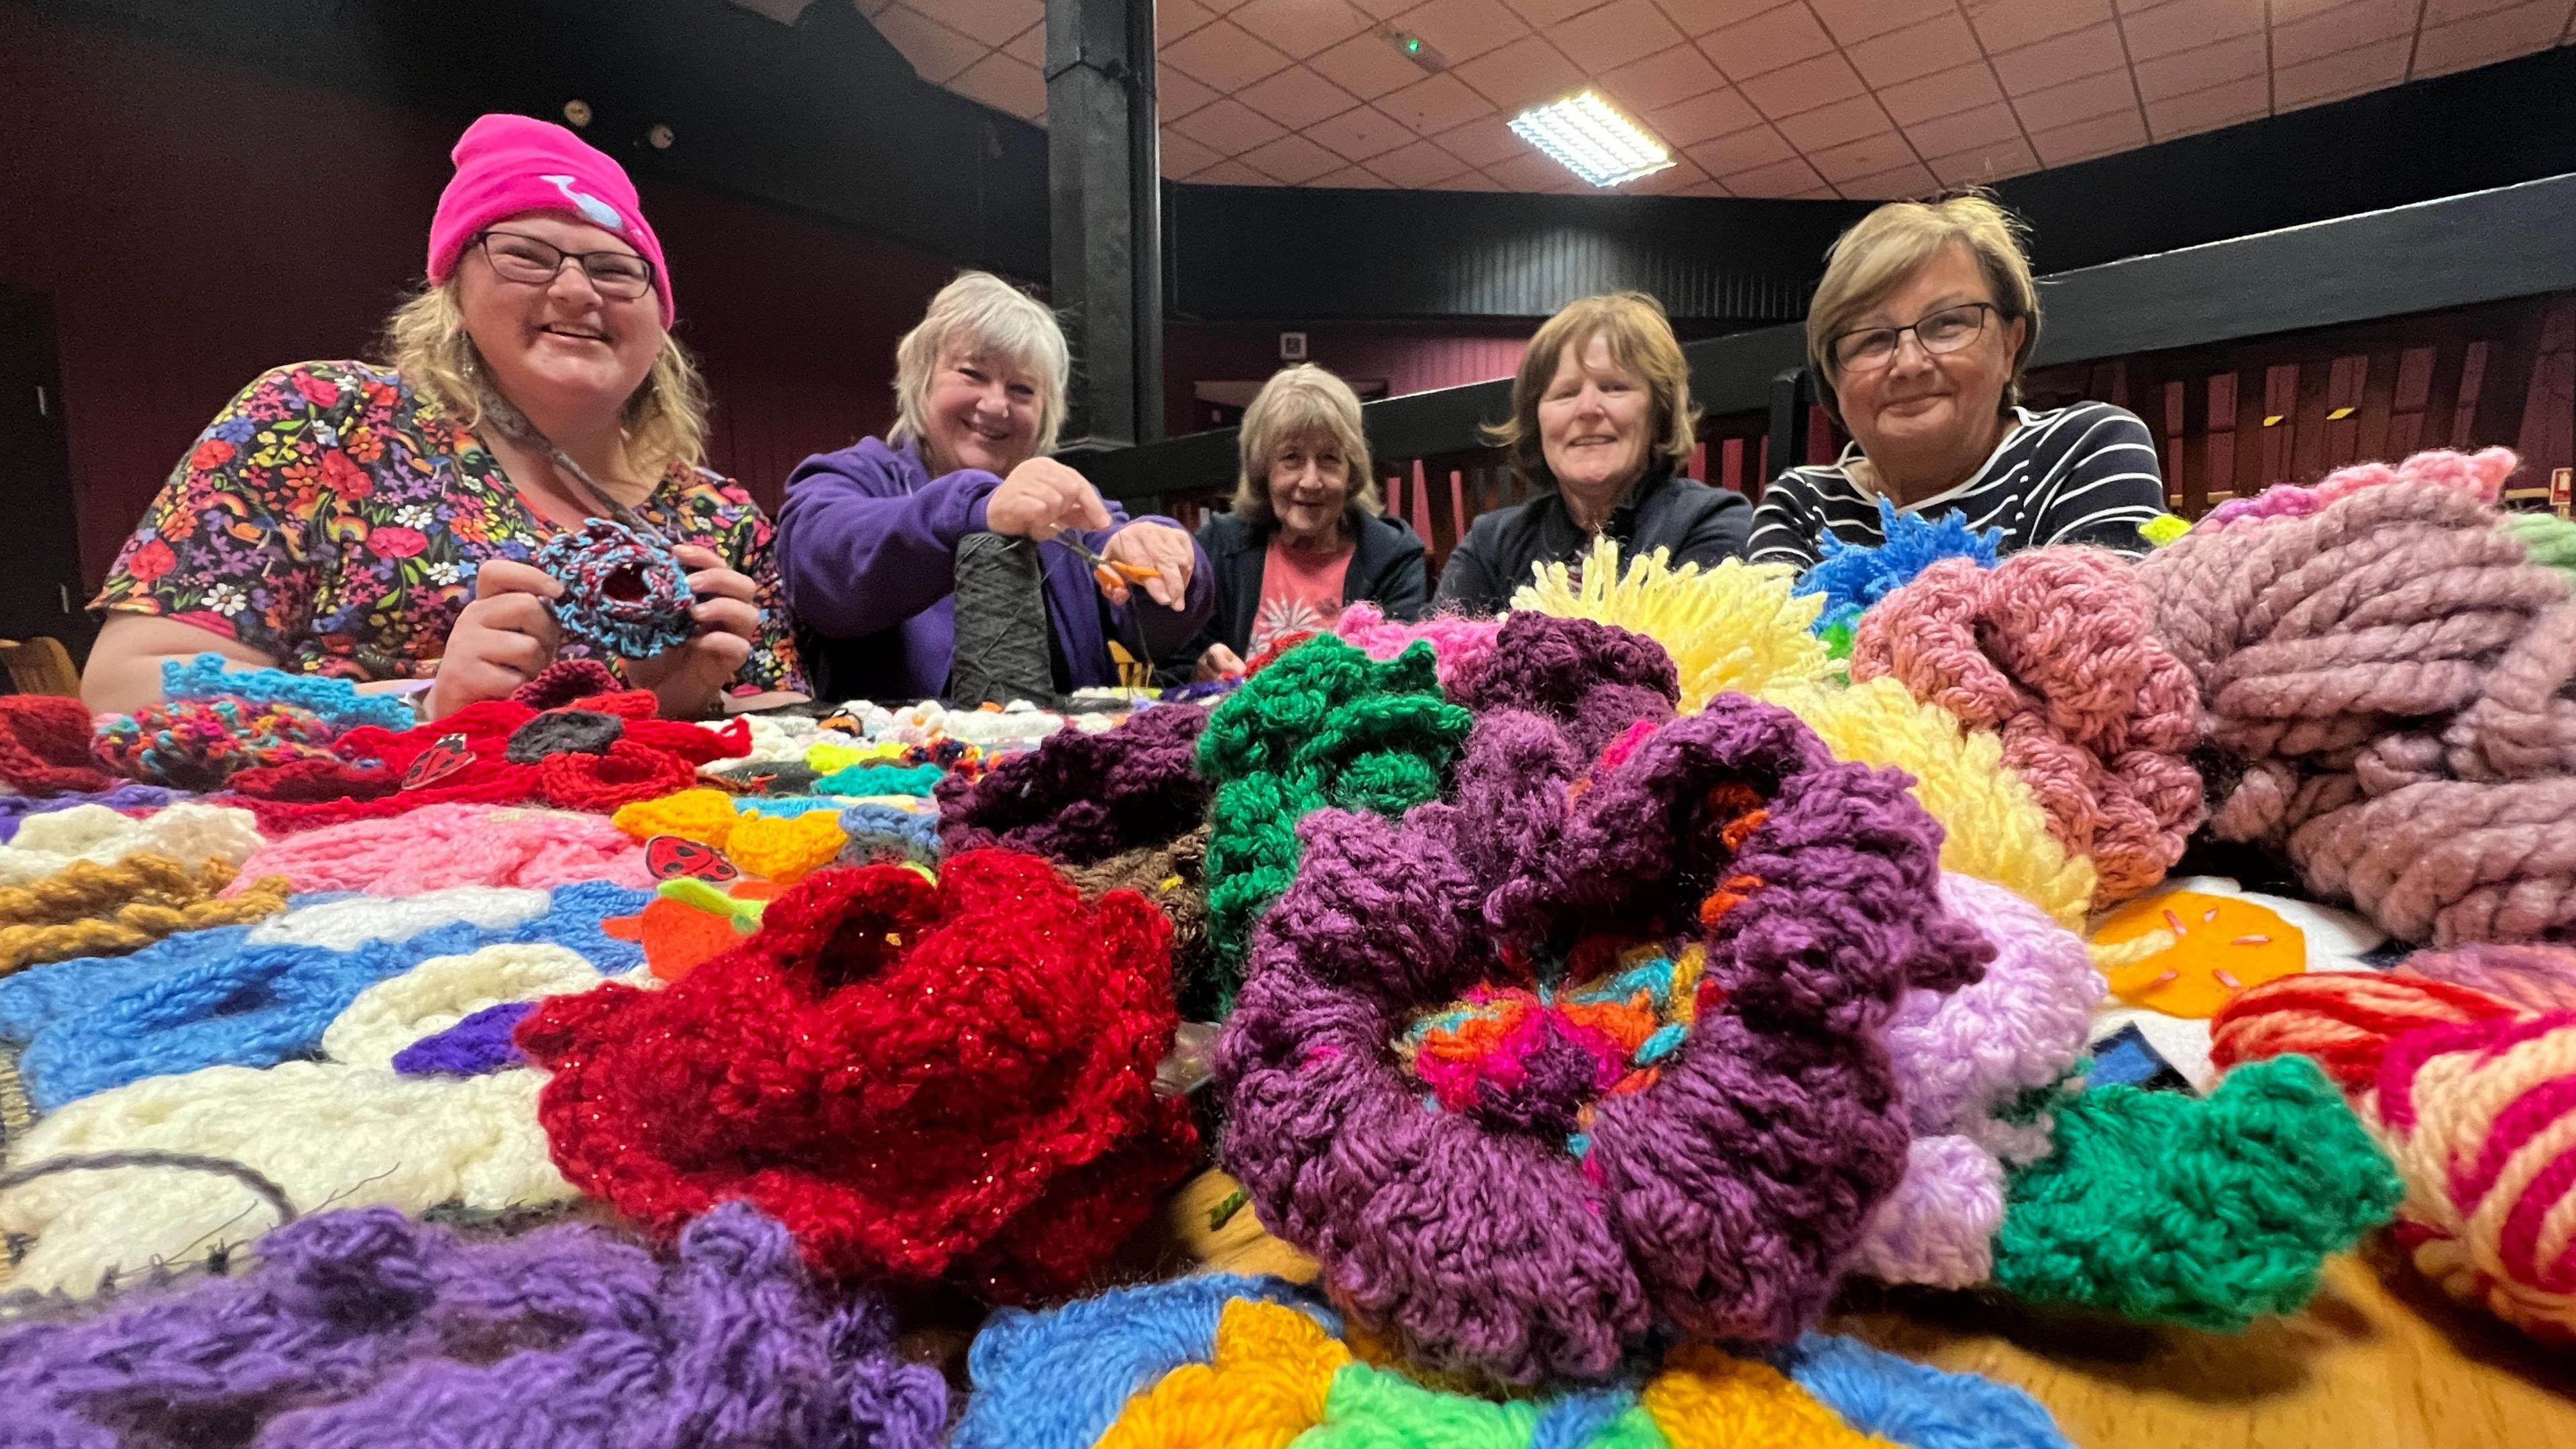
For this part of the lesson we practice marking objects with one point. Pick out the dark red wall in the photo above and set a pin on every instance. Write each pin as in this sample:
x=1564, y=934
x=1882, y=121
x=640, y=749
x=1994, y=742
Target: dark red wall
x=1407, y=358
x=196, y=222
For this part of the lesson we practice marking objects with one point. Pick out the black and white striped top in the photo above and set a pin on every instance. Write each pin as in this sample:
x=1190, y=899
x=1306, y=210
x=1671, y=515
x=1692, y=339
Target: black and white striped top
x=2080, y=474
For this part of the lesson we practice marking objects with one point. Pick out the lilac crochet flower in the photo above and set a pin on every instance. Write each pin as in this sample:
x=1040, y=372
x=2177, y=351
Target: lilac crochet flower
x=1718, y=1184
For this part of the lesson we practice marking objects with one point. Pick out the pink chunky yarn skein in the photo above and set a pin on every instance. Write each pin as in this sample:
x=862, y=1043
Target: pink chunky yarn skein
x=439, y=846
x=2055, y=649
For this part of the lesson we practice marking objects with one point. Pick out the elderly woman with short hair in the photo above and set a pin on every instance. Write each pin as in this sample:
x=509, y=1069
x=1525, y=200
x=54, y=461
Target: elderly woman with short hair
x=1602, y=425
x=868, y=537
x=1917, y=339
x=1306, y=534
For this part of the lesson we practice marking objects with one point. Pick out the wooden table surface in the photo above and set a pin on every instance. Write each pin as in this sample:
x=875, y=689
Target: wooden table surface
x=2381, y=1359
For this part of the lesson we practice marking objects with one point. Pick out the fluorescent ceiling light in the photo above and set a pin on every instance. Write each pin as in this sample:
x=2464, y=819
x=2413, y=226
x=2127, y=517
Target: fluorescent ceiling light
x=1591, y=140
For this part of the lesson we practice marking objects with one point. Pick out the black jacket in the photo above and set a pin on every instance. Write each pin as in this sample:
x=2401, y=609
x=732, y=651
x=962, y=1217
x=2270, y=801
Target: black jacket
x=1692, y=521
x=1386, y=570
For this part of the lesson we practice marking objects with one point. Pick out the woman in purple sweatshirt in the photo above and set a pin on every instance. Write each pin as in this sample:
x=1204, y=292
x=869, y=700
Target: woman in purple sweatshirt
x=867, y=541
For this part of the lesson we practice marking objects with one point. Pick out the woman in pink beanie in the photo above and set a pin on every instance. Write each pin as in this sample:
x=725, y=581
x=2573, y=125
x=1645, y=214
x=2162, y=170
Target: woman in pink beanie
x=376, y=522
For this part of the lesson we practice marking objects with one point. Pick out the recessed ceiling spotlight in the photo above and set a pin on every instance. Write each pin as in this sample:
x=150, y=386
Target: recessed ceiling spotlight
x=1591, y=140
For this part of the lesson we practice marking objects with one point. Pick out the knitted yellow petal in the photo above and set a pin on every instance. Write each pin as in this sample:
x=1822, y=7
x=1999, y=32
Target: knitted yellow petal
x=705, y=816
x=826, y=756
x=1734, y=627
x=786, y=848
x=1704, y=1399
x=1993, y=827
x=1265, y=1386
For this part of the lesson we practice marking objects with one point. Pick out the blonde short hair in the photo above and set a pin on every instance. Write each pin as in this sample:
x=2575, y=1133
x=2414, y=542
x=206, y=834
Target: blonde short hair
x=664, y=420
x=989, y=318
x=1299, y=402
x=1887, y=246
x=1641, y=340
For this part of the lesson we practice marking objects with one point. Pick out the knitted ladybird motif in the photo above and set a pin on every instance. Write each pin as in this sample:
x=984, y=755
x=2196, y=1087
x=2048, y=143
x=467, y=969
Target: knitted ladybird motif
x=918, y=1079
x=1701, y=1145
x=624, y=594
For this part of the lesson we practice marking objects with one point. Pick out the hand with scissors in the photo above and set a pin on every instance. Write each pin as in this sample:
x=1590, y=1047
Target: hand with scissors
x=1043, y=499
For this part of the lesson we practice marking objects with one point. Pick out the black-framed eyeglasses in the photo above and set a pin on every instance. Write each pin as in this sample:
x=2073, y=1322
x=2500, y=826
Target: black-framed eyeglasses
x=519, y=258
x=1948, y=330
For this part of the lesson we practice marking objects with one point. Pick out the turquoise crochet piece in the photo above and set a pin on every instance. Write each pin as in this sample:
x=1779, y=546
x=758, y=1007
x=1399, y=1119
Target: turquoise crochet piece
x=227, y=1002
x=870, y=777
x=1854, y=576
x=790, y=805
x=336, y=700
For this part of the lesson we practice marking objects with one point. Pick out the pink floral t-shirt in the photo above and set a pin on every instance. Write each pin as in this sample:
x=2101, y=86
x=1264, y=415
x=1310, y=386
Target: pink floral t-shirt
x=1299, y=591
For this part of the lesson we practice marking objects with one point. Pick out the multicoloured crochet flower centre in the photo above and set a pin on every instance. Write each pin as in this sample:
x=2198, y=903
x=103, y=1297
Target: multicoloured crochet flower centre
x=1537, y=1058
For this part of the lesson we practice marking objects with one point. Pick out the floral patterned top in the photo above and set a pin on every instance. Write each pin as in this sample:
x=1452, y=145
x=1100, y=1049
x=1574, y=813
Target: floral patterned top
x=332, y=518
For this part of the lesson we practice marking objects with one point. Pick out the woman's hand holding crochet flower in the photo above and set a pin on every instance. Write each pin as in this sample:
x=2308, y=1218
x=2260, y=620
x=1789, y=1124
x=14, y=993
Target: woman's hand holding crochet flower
x=689, y=679
x=503, y=639
x=1157, y=546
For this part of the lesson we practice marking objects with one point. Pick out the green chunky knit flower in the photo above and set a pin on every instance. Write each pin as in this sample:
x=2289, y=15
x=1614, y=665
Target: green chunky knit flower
x=2207, y=1211
x=1324, y=725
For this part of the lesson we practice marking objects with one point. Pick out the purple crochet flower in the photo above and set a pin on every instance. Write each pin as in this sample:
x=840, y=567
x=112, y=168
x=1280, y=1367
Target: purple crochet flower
x=354, y=1326
x=1718, y=1193
x=1080, y=798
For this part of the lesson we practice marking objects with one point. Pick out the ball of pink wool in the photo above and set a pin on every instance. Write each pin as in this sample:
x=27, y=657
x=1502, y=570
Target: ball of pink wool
x=439, y=846
x=1458, y=645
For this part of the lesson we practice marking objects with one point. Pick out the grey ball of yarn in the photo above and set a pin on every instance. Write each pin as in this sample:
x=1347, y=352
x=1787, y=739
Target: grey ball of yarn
x=565, y=732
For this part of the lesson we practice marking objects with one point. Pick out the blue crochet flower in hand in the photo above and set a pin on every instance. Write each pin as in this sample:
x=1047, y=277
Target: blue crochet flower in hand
x=1854, y=576
x=624, y=594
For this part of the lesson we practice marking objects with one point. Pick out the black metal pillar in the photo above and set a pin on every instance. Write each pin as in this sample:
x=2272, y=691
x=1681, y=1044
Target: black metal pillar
x=1104, y=163
x=1790, y=395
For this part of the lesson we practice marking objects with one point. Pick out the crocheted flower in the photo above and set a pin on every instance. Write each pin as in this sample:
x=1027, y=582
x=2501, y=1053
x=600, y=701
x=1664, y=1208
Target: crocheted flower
x=1687, y=1117
x=1852, y=576
x=1081, y=797
x=624, y=594
x=197, y=744
x=44, y=746
x=1326, y=725
x=2056, y=650
x=917, y=1079
x=1733, y=627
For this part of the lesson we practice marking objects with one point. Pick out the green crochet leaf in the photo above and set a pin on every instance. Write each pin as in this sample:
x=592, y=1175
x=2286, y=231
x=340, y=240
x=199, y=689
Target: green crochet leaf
x=2206, y=1211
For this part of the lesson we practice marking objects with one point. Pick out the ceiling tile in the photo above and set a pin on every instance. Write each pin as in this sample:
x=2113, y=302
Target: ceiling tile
x=936, y=52
x=1964, y=131
x=1176, y=18
x=985, y=17
x=1544, y=13
x=1529, y=171
x=1615, y=34
x=2100, y=136
x=1714, y=114
x=1674, y=74
x=1812, y=131
x=1743, y=151
x=2075, y=101
x=1435, y=103
x=1917, y=50
x=1478, y=143
x=1177, y=94
x=1360, y=133
x=1223, y=56
x=1782, y=178
x=1231, y=173
x=1766, y=43
x=1352, y=178
x=1857, y=20
x=1300, y=28
x=1182, y=156
x=1366, y=66
x=1466, y=181
x=1985, y=164
x=1229, y=128
x=2451, y=12
x=1944, y=93
x=2178, y=25
x=1699, y=17
x=1867, y=156
x=2207, y=110
x=2318, y=31
x=2092, y=51
x=1005, y=84
x=2010, y=24
x=1908, y=180
x=2345, y=73
x=1523, y=73
x=1029, y=45
x=1804, y=86
x=2198, y=70
x=1297, y=98
x=1374, y=9
x=1293, y=159
x=1462, y=29
x=2495, y=36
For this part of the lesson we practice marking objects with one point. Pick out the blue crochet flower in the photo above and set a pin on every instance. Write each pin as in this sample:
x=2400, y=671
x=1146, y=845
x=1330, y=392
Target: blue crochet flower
x=624, y=594
x=1854, y=576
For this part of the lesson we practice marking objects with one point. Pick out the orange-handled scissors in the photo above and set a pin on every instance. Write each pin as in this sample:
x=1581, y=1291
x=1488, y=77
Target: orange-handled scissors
x=1107, y=574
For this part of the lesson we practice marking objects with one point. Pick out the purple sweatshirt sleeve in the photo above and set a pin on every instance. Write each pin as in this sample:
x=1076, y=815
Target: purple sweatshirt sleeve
x=866, y=541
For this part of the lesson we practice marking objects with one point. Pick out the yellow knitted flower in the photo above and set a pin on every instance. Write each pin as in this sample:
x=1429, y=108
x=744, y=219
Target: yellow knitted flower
x=786, y=848
x=1734, y=627
x=705, y=816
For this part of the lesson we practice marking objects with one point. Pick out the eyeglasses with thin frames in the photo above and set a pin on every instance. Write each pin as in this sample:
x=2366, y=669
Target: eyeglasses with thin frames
x=1947, y=330
x=515, y=257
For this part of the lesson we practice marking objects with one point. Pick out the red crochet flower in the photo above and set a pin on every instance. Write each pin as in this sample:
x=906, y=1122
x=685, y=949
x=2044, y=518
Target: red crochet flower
x=918, y=1079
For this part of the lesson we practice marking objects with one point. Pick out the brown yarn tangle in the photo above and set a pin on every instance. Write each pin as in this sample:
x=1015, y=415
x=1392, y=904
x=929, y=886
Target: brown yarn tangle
x=93, y=909
x=2389, y=677
x=1171, y=875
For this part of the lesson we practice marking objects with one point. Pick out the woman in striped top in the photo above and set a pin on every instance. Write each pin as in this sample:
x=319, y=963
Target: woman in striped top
x=1917, y=339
